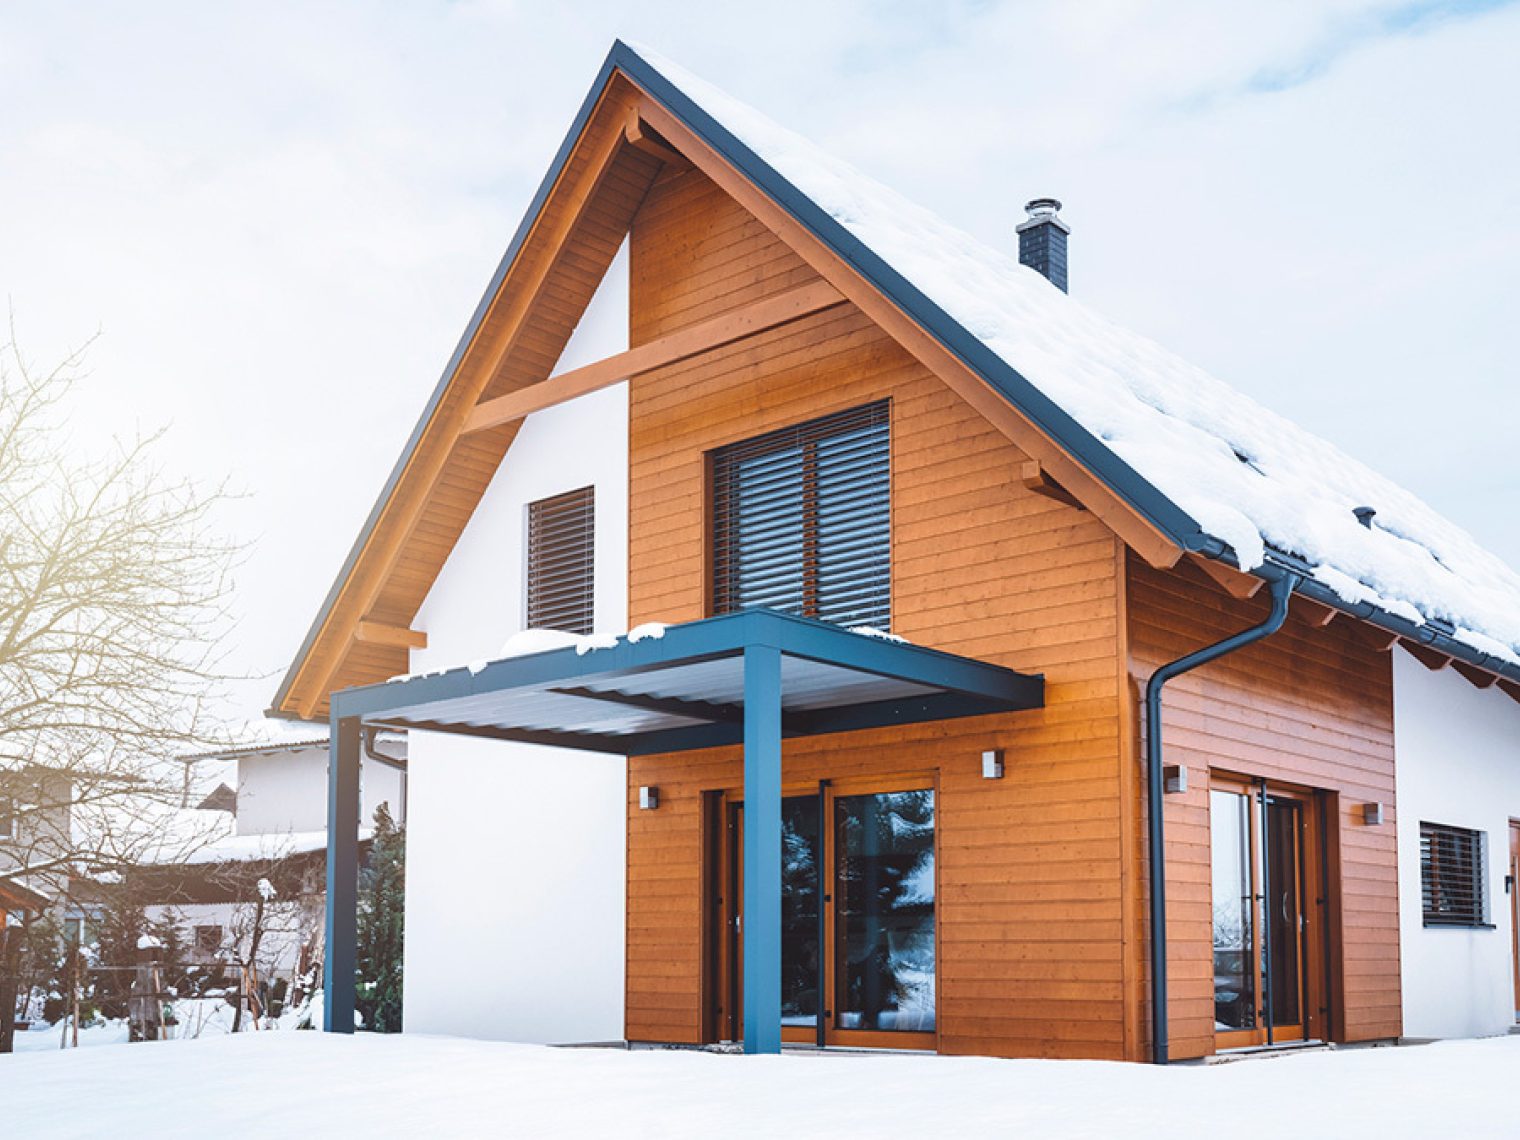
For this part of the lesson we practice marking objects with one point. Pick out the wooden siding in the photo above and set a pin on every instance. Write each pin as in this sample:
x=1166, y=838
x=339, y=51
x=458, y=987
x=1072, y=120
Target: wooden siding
x=1031, y=874
x=1309, y=706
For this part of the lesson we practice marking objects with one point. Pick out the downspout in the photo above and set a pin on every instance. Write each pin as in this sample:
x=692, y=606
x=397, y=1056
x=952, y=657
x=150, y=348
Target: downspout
x=1282, y=590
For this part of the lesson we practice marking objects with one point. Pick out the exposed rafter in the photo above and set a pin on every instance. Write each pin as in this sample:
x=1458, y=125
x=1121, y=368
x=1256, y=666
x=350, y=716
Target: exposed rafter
x=399, y=636
x=1236, y=583
x=1035, y=478
x=1430, y=658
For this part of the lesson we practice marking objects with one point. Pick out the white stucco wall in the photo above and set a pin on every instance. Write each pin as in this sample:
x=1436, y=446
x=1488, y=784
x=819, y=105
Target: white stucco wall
x=515, y=853
x=1457, y=752
x=286, y=791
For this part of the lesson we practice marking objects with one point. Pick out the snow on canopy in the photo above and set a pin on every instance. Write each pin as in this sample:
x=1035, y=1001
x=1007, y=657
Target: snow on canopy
x=1246, y=475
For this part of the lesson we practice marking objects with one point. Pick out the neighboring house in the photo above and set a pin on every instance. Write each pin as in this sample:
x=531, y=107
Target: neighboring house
x=724, y=383
x=271, y=801
x=36, y=820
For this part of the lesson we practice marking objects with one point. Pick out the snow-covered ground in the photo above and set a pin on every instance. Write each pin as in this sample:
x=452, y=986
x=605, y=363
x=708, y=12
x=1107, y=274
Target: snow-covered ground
x=314, y=1084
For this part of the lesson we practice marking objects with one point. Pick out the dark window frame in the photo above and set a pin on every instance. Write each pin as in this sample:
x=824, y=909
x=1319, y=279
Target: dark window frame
x=1454, y=876
x=560, y=564
x=820, y=495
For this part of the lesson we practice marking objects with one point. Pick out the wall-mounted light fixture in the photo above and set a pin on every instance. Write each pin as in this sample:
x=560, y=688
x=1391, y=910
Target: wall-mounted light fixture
x=1174, y=779
x=1372, y=814
x=649, y=797
x=992, y=764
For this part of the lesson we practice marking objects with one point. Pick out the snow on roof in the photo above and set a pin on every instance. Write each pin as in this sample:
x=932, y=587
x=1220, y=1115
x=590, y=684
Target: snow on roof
x=1246, y=475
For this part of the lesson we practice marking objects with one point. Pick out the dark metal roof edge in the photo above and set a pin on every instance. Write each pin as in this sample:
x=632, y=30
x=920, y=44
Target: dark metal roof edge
x=1433, y=633
x=561, y=157
x=1045, y=413
x=724, y=635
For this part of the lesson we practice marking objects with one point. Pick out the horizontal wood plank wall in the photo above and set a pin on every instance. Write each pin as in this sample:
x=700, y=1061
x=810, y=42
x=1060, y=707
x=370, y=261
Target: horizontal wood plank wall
x=1030, y=919
x=1308, y=706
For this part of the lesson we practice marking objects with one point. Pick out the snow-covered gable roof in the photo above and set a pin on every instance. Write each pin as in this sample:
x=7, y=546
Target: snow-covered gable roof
x=1232, y=473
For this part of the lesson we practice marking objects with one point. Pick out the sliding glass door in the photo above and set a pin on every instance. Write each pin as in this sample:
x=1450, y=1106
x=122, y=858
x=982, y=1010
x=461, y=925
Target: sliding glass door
x=1266, y=951
x=858, y=934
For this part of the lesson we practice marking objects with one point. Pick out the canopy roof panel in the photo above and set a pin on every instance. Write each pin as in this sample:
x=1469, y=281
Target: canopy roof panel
x=685, y=688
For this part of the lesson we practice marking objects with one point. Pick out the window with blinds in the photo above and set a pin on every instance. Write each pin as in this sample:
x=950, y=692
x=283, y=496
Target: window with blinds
x=1452, y=875
x=562, y=562
x=802, y=520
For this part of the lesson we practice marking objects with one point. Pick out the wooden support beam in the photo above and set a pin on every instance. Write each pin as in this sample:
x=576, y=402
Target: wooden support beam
x=641, y=136
x=1432, y=659
x=1382, y=639
x=1512, y=688
x=1314, y=613
x=1236, y=583
x=704, y=336
x=399, y=636
x=1038, y=480
x=1482, y=678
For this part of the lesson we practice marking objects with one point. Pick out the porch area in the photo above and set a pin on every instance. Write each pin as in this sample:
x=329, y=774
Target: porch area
x=751, y=678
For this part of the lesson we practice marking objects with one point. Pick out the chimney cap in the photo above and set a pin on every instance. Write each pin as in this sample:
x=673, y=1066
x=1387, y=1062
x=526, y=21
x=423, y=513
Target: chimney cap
x=1043, y=211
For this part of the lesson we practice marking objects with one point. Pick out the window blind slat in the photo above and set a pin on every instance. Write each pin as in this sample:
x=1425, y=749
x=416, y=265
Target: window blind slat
x=562, y=562
x=801, y=519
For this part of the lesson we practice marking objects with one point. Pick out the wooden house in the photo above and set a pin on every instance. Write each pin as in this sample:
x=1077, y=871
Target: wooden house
x=904, y=538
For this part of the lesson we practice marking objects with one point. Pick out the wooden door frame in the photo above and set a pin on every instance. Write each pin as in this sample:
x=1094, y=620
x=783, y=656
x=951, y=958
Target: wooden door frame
x=726, y=1025
x=1314, y=909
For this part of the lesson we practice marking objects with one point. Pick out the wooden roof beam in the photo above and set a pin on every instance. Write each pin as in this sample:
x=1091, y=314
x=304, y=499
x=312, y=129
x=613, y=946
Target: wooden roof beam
x=1482, y=678
x=643, y=137
x=1315, y=613
x=1511, y=688
x=1432, y=659
x=1236, y=583
x=396, y=636
x=1038, y=480
x=704, y=336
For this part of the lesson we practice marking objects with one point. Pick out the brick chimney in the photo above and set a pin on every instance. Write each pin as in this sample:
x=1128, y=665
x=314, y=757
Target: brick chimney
x=1042, y=240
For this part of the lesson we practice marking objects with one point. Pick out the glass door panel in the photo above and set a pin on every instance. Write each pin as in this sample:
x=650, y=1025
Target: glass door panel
x=1284, y=928
x=884, y=912
x=1263, y=969
x=1234, y=913
x=801, y=864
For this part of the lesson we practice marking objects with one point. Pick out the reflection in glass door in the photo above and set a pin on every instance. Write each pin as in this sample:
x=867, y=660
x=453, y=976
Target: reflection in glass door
x=863, y=890
x=1264, y=966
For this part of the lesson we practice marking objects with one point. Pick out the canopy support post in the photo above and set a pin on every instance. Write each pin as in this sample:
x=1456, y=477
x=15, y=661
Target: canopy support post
x=762, y=849
x=343, y=760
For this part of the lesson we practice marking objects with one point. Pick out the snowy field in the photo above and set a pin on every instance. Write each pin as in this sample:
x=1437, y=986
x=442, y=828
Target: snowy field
x=291, y=1083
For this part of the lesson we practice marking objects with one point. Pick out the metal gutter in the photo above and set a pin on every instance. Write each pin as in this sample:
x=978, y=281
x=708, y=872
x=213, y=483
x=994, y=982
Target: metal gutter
x=1282, y=590
x=1433, y=632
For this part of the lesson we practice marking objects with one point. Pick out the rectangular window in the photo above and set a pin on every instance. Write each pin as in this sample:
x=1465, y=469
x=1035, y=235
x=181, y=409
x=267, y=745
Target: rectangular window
x=562, y=562
x=802, y=520
x=208, y=939
x=7, y=820
x=1452, y=873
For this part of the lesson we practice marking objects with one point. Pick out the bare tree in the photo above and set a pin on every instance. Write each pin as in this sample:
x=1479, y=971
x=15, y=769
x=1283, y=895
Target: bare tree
x=114, y=590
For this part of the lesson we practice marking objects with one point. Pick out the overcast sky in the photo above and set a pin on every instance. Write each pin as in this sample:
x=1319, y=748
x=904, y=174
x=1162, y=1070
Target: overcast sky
x=281, y=215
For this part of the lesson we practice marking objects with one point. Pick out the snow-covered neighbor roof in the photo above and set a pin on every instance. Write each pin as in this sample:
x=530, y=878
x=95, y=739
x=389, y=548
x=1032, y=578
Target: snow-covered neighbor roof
x=1247, y=477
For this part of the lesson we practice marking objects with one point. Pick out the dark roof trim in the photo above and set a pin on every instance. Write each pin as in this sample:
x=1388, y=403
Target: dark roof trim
x=1435, y=633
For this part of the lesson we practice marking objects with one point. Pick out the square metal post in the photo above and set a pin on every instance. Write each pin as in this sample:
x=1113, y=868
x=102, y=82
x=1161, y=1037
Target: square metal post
x=762, y=849
x=343, y=761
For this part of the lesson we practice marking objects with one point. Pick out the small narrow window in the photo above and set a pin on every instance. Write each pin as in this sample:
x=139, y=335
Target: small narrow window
x=1452, y=874
x=7, y=820
x=802, y=520
x=561, y=562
